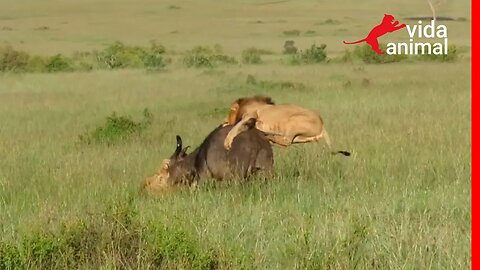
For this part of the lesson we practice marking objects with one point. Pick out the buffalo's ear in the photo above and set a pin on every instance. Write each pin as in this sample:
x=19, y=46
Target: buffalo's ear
x=183, y=153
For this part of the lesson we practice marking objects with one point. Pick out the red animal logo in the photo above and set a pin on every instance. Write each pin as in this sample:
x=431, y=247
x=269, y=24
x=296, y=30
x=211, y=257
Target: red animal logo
x=388, y=25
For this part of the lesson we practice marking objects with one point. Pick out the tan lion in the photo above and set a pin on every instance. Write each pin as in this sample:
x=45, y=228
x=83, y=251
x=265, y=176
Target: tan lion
x=283, y=124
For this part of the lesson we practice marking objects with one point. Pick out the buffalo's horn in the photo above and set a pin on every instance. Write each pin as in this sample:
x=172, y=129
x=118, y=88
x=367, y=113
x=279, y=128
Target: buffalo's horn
x=179, y=146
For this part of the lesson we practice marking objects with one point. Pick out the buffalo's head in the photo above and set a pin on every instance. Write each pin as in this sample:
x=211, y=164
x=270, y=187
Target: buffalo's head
x=171, y=172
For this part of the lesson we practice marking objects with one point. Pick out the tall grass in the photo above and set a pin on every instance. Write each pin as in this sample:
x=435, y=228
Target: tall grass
x=401, y=200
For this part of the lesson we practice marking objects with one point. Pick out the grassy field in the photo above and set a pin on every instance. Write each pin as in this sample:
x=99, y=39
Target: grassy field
x=401, y=201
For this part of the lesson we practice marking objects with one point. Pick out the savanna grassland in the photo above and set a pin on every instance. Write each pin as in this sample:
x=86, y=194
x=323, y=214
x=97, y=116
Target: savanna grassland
x=70, y=177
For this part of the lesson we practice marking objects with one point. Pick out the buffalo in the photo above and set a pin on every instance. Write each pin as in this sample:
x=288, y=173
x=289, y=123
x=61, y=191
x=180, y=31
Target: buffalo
x=250, y=152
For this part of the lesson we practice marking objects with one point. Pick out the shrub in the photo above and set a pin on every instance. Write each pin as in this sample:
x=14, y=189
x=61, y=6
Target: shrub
x=117, y=128
x=367, y=55
x=451, y=56
x=180, y=248
x=41, y=250
x=13, y=60
x=289, y=47
x=154, y=57
x=10, y=257
x=251, y=56
x=115, y=236
x=58, y=63
x=206, y=57
x=118, y=55
x=314, y=54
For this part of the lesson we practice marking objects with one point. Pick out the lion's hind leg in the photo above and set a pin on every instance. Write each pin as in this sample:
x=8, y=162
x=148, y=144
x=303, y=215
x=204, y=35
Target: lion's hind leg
x=304, y=139
x=280, y=140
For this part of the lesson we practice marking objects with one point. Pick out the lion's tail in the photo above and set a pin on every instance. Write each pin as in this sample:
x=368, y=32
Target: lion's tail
x=329, y=144
x=355, y=42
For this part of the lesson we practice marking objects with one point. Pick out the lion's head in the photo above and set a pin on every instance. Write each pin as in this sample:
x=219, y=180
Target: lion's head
x=158, y=182
x=245, y=105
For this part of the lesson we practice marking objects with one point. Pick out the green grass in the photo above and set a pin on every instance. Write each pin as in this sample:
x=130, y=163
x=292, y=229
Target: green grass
x=401, y=201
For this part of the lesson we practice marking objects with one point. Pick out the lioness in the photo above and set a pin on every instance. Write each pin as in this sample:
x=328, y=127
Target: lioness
x=283, y=124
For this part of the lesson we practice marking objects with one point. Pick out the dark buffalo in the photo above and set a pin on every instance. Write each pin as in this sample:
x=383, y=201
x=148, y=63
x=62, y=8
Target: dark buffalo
x=250, y=152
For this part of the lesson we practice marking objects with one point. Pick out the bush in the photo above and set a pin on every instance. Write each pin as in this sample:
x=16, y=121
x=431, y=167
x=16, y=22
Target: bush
x=115, y=236
x=314, y=54
x=251, y=56
x=10, y=257
x=13, y=60
x=42, y=250
x=206, y=57
x=289, y=47
x=450, y=57
x=117, y=128
x=154, y=57
x=367, y=55
x=118, y=55
x=179, y=248
x=58, y=63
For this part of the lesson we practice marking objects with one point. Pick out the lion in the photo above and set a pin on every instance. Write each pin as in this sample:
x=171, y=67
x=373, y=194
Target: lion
x=283, y=124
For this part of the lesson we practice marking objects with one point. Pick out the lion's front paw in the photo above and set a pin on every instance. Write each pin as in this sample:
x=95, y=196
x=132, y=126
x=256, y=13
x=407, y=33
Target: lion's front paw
x=228, y=143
